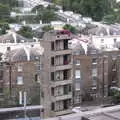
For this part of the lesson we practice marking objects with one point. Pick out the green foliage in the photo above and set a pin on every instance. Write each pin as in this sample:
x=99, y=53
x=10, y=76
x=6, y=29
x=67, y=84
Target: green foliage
x=112, y=18
x=45, y=14
x=115, y=95
x=11, y=3
x=47, y=28
x=3, y=27
x=90, y=8
x=26, y=32
x=70, y=28
x=4, y=12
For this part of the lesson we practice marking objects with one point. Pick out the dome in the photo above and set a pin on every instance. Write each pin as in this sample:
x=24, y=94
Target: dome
x=78, y=49
x=25, y=54
x=12, y=37
x=91, y=49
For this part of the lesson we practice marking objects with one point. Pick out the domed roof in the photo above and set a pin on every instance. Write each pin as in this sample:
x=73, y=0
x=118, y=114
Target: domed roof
x=98, y=31
x=78, y=49
x=12, y=37
x=91, y=49
x=25, y=54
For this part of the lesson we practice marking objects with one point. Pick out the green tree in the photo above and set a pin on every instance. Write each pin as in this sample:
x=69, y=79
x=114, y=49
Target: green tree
x=47, y=28
x=26, y=32
x=90, y=8
x=115, y=94
x=11, y=3
x=3, y=27
x=70, y=28
x=112, y=18
x=45, y=14
x=4, y=12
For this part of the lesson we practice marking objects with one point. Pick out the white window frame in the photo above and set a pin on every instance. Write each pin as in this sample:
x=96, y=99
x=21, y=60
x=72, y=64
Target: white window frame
x=20, y=68
x=77, y=62
x=77, y=74
x=20, y=80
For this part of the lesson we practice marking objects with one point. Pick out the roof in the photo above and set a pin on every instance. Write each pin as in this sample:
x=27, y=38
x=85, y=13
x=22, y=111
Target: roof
x=25, y=53
x=12, y=37
x=105, y=30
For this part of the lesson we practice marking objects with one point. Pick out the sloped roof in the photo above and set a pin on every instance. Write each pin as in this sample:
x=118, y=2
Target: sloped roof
x=25, y=54
x=12, y=37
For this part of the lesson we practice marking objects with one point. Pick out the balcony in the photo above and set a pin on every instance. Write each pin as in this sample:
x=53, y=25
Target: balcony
x=63, y=112
x=63, y=67
x=63, y=82
x=63, y=97
x=63, y=52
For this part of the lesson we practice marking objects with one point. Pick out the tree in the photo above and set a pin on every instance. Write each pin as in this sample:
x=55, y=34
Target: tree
x=70, y=28
x=112, y=18
x=11, y=3
x=47, y=28
x=3, y=27
x=45, y=14
x=115, y=94
x=90, y=8
x=26, y=32
x=4, y=12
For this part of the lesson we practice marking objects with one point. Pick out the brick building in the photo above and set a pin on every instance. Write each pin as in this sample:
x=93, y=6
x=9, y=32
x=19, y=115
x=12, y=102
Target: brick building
x=21, y=73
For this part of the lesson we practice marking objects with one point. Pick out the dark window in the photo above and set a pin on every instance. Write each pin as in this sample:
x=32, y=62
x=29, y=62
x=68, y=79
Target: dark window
x=65, y=59
x=69, y=88
x=1, y=90
x=36, y=77
x=65, y=73
x=8, y=48
x=52, y=76
x=52, y=91
x=42, y=94
x=1, y=73
x=65, y=44
x=65, y=89
x=53, y=106
x=52, y=61
x=52, y=46
x=115, y=40
x=65, y=104
x=94, y=60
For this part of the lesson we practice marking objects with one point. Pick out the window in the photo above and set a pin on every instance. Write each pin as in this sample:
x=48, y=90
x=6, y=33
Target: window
x=115, y=40
x=77, y=74
x=94, y=72
x=65, y=74
x=52, y=46
x=70, y=88
x=53, y=106
x=1, y=90
x=37, y=78
x=65, y=89
x=20, y=80
x=52, y=76
x=1, y=74
x=8, y=48
x=7, y=41
x=102, y=40
x=52, y=61
x=38, y=67
x=77, y=62
x=77, y=86
x=52, y=91
x=20, y=68
x=94, y=61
